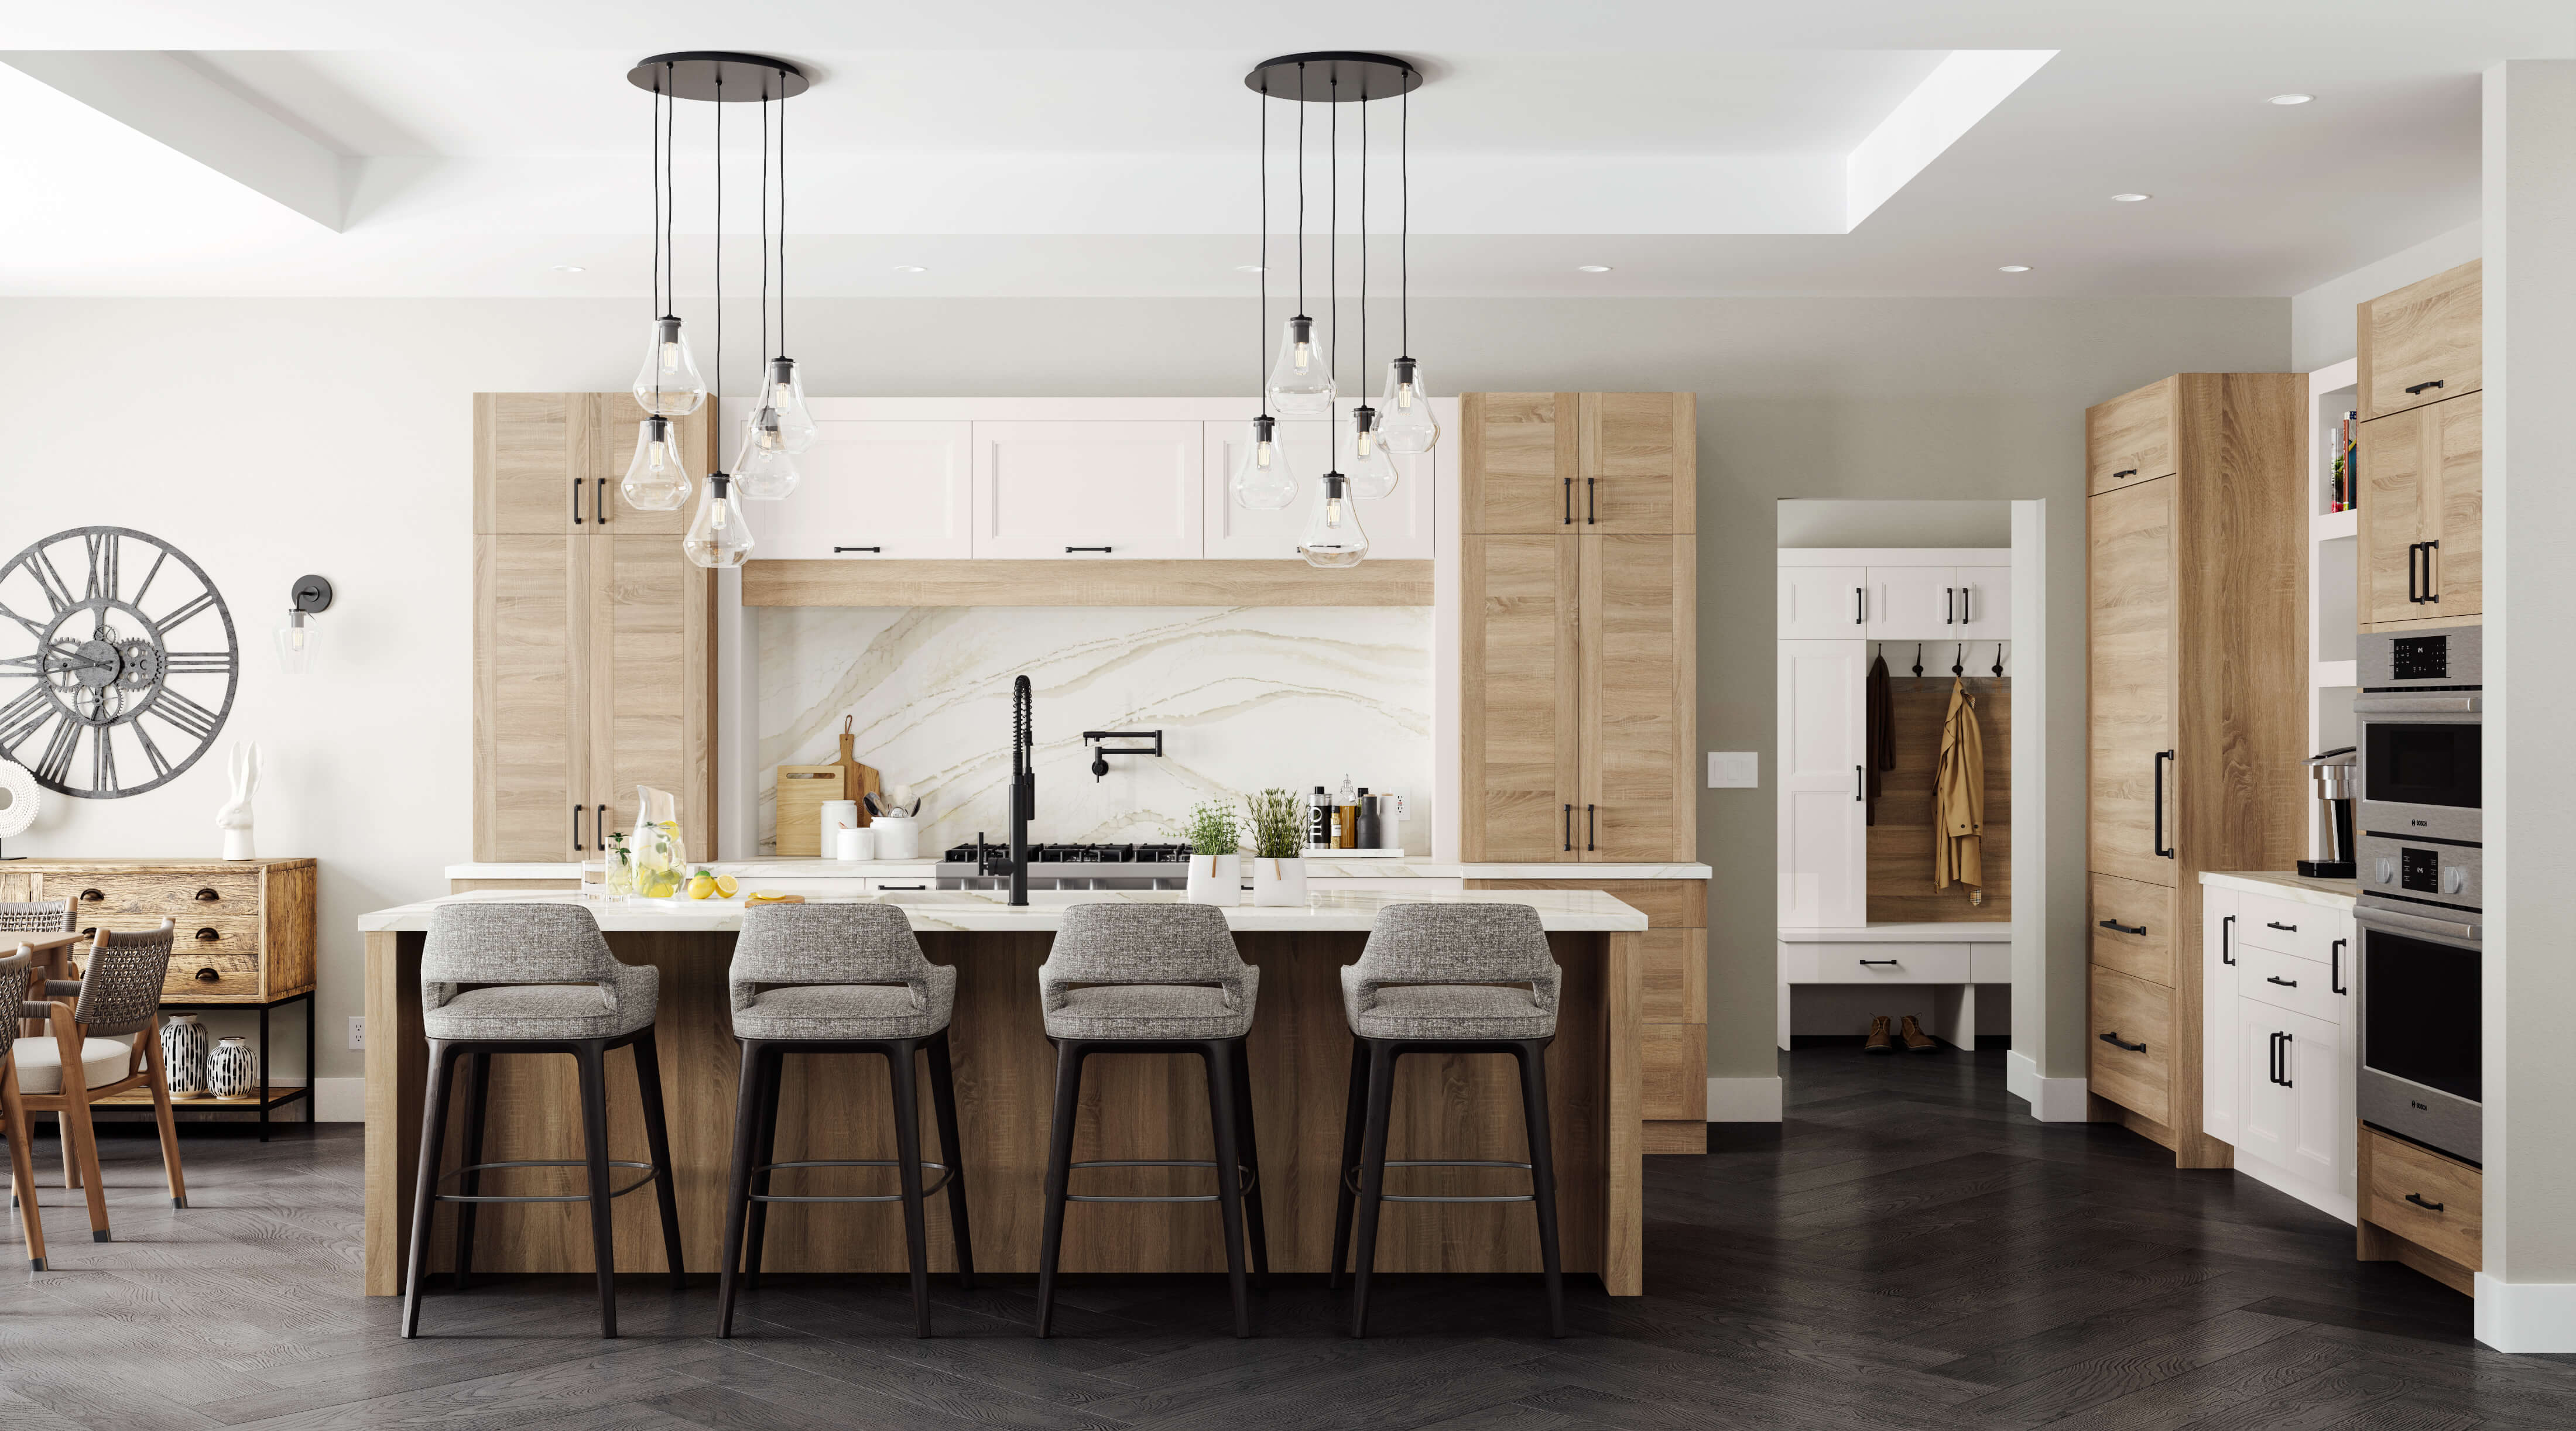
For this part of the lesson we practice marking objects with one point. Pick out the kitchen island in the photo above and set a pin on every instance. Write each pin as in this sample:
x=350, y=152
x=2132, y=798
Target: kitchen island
x=1142, y=1106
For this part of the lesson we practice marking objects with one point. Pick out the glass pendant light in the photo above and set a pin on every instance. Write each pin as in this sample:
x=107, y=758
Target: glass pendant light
x=718, y=536
x=764, y=471
x=784, y=393
x=1372, y=475
x=1333, y=536
x=657, y=480
x=669, y=385
x=1404, y=421
x=1263, y=480
x=1301, y=382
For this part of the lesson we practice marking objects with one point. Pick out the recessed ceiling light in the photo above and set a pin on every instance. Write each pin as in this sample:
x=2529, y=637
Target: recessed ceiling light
x=2291, y=98
x=1592, y=268
x=1250, y=268
x=910, y=268
x=570, y=268
x=2014, y=268
x=2131, y=198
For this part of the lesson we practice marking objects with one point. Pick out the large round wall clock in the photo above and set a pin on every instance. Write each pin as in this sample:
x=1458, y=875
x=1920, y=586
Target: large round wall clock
x=117, y=662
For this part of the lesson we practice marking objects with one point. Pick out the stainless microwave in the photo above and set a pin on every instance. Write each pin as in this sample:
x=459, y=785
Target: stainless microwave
x=2420, y=717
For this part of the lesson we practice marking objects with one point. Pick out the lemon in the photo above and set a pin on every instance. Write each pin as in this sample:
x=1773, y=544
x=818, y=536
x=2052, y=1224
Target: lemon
x=727, y=887
x=701, y=885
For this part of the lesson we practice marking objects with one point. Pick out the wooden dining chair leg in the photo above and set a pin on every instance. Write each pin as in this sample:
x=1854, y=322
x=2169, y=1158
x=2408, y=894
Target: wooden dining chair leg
x=22, y=1166
x=156, y=1065
x=79, y=1134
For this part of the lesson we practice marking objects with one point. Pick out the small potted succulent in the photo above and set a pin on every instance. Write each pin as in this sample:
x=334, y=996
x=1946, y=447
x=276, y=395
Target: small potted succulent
x=1216, y=854
x=1278, y=846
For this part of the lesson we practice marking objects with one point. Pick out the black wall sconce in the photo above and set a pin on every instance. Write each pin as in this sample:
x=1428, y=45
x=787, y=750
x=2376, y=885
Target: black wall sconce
x=298, y=639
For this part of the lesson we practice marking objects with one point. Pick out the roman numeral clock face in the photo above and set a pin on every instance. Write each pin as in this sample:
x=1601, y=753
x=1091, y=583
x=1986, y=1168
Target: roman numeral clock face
x=117, y=662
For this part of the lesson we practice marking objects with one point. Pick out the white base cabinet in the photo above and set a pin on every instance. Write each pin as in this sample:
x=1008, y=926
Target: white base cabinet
x=1824, y=827
x=2279, y=1039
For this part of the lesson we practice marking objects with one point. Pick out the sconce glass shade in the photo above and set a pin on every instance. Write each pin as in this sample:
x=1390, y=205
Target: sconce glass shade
x=1333, y=536
x=763, y=471
x=657, y=480
x=1301, y=382
x=668, y=385
x=784, y=391
x=299, y=641
x=718, y=535
x=1404, y=421
x=1262, y=480
x=1372, y=475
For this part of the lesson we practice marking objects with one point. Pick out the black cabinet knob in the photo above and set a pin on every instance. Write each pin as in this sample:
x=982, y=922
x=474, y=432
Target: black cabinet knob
x=207, y=976
x=210, y=934
x=92, y=894
x=208, y=895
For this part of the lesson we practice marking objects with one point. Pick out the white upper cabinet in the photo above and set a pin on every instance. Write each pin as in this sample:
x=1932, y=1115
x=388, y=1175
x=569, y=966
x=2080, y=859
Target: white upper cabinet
x=1075, y=490
x=874, y=491
x=1912, y=603
x=1823, y=603
x=1399, y=526
x=1985, y=603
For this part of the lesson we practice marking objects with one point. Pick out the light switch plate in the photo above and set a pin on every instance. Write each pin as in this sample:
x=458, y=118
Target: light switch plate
x=1734, y=769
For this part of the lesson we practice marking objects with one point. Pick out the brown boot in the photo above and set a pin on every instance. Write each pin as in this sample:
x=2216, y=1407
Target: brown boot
x=1916, y=1040
x=1879, y=1042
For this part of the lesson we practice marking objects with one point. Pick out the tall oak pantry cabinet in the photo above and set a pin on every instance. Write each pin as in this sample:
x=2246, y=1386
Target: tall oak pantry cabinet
x=594, y=665
x=2196, y=674
x=1579, y=689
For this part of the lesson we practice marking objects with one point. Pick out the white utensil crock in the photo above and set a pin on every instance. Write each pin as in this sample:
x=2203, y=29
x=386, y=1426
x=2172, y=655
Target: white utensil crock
x=898, y=837
x=854, y=844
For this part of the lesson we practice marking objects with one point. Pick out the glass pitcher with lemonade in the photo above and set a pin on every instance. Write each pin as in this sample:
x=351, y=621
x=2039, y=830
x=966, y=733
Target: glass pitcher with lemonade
x=655, y=844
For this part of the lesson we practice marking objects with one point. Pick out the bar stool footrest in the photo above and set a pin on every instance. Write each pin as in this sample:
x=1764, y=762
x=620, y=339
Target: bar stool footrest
x=946, y=1174
x=1246, y=1178
x=642, y=1182
x=1351, y=1179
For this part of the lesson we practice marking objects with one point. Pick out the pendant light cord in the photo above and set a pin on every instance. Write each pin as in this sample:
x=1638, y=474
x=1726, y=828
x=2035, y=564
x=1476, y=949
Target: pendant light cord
x=763, y=388
x=718, y=391
x=1261, y=327
x=1301, y=187
x=782, y=213
x=1404, y=244
x=1333, y=227
x=1364, y=263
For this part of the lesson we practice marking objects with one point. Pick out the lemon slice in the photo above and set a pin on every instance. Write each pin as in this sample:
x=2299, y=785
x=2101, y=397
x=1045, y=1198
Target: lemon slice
x=727, y=886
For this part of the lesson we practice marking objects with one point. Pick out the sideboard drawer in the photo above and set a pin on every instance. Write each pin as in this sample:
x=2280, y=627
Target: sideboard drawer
x=236, y=976
x=176, y=894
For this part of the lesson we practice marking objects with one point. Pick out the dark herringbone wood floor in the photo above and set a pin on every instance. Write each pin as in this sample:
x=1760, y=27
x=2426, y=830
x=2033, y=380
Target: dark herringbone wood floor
x=1908, y=1251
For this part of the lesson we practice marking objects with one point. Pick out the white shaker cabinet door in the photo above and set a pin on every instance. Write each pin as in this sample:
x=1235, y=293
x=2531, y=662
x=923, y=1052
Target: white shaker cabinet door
x=1823, y=848
x=874, y=491
x=1913, y=603
x=1823, y=603
x=1985, y=603
x=2316, y=1061
x=1089, y=490
x=2268, y=1115
x=2222, y=1052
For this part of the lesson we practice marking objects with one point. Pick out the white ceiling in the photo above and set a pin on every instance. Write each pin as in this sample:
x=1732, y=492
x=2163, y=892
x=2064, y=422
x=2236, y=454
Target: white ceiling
x=1016, y=147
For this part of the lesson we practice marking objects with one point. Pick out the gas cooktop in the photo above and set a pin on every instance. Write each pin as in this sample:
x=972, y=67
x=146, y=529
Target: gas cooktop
x=1067, y=866
x=1074, y=854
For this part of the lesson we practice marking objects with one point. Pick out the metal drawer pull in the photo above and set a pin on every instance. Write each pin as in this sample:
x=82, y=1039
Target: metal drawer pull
x=2117, y=927
x=2334, y=967
x=208, y=895
x=1878, y=961
x=208, y=976
x=2113, y=1039
x=880, y=549
x=2419, y=387
x=2227, y=940
x=903, y=886
x=2124, y=472
x=1086, y=549
x=210, y=935
x=2284, y=928
x=2418, y=1200
x=2277, y=979
x=92, y=894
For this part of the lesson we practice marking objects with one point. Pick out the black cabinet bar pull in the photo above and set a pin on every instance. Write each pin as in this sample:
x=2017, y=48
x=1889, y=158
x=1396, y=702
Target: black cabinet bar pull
x=2284, y=928
x=2419, y=387
x=1591, y=504
x=1949, y=606
x=2227, y=940
x=1086, y=549
x=1569, y=501
x=599, y=500
x=576, y=828
x=2285, y=1060
x=92, y=894
x=903, y=886
x=2418, y=1200
x=2117, y=927
x=1860, y=604
x=876, y=549
x=599, y=827
x=2163, y=850
x=2277, y=979
x=2432, y=587
x=1878, y=961
x=1569, y=814
x=1964, y=617
x=2334, y=967
x=1860, y=783
x=576, y=501
x=2124, y=472
x=2113, y=1039
x=1591, y=828
x=2272, y=1064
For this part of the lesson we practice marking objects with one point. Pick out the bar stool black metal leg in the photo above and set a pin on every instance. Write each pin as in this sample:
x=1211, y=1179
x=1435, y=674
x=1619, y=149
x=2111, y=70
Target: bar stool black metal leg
x=1219, y=1057
x=1533, y=1061
x=1381, y=1102
x=657, y=1138
x=433, y=1142
x=478, y=1099
x=943, y=1107
x=1354, y=1122
x=907, y=1167
x=773, y=1064
x=1254, y=1227
x=1068, y=1101
x=746, y=1137
x=594, y=1139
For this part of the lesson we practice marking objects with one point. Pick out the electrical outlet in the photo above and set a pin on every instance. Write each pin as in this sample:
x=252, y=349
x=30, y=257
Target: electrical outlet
x=357, y=1033
x=1400, y=808
x=1734, y=769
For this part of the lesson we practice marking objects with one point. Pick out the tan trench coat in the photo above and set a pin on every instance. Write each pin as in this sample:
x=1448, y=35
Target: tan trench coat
x=1959, y=795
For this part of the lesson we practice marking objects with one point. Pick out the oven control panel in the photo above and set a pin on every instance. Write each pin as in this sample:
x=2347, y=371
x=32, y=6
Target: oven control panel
x=2451, y=658
x=2421, y=872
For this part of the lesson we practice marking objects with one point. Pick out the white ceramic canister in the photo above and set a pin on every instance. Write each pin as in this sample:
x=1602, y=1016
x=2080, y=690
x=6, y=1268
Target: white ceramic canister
x=1278, y=882
x=838, y=815
x=898, y=837
x=854, y=844
x=1216, y=879
x=232, y=1070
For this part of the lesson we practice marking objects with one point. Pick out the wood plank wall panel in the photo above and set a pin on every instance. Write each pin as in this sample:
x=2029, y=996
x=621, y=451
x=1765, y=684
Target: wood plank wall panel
x=1900, y=843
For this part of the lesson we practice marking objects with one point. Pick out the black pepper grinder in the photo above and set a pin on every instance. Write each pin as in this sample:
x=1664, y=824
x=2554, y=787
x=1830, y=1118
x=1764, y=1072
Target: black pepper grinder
x=1368, y=832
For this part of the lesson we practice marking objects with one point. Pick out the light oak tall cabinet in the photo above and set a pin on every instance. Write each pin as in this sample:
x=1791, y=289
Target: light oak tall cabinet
x=1579, y=691
x=593, y=636
x=2421, y=453
x=2196, y=673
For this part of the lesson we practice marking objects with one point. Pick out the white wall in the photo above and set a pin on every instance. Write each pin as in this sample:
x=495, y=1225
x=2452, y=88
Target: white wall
x=2321, y=319
x=1895, y=523
x=270, y=438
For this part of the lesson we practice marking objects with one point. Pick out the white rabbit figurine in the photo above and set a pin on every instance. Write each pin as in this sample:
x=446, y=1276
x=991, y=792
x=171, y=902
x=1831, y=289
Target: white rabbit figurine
x=234, y=818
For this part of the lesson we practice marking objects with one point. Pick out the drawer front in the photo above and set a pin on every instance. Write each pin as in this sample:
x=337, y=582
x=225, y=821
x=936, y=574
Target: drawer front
x=2133, y=1012
x=2287, y=981
x=1673, y=1061
x=2399, y=1169
x=180, y=895
x=2283, y=926
x=1675, y=977
x=235, y=976
x=1892, y=964
x=1667, y=903
x=2130, y=438
x=206, y=936
x=2133, y=928
x=2427, y=337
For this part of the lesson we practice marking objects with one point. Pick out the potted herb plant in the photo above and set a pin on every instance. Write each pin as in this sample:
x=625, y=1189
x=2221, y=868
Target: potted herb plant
x=1278, y=846
x=1216, y=854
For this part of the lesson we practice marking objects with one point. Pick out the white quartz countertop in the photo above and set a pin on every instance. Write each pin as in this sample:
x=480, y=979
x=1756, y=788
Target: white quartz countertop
x=956, y=911
x=1317, y=867
x=2280, y=884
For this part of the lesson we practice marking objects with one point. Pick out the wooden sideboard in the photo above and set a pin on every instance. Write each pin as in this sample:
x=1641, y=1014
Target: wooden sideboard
x=245, y=926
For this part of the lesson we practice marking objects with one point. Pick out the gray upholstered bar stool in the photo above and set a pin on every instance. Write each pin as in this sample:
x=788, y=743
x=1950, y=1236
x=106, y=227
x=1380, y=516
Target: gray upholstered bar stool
x=1446, y=978
x=841, y=978
x=534, y=978
x=1154, y=978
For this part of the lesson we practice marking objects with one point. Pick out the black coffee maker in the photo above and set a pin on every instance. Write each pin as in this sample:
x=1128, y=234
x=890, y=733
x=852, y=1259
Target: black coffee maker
x=2331, y=775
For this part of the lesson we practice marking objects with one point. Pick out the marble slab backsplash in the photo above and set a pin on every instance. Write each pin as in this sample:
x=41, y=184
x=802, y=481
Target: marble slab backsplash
x=1246, y=697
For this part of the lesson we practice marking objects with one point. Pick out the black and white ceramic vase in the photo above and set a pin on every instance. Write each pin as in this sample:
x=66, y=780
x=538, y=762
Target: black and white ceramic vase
x=232, y=1070
x=183, y=1055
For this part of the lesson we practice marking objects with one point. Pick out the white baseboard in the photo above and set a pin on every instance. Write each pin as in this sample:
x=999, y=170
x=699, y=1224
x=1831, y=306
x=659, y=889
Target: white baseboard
x=2051, y=1100
x=339, y=1100
x=1744, y=1100
x=2525, y=1317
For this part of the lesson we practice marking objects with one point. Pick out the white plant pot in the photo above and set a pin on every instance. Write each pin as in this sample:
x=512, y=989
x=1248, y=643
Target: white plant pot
x=1278, y=882
x=1216, y=879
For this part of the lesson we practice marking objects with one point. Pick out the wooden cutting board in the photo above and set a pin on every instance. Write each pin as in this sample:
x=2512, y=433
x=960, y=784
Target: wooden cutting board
x=857, y=781
x=802, y=791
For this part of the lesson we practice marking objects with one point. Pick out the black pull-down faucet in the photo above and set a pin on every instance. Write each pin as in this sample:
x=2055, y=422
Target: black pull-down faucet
x=1024, y=788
